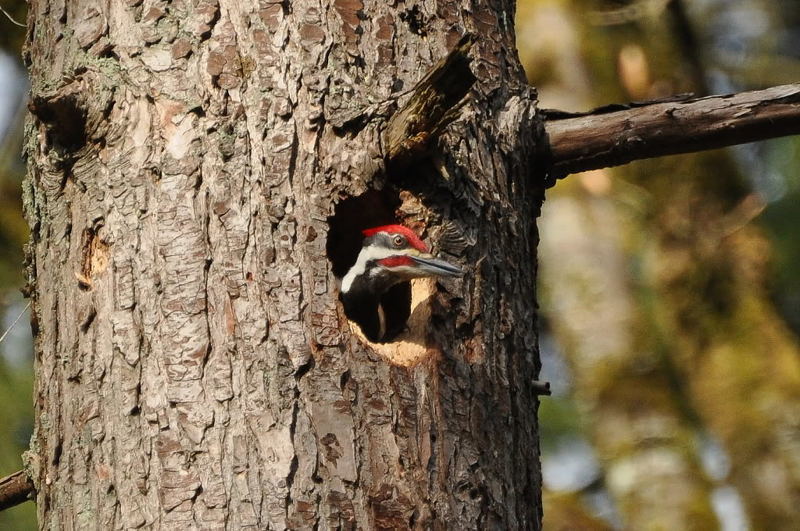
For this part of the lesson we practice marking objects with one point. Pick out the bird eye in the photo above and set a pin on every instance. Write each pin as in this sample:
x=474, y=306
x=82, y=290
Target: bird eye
x=398, y=241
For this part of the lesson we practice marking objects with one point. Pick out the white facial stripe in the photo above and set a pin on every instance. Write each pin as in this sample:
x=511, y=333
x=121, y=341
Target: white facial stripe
x=367, y=254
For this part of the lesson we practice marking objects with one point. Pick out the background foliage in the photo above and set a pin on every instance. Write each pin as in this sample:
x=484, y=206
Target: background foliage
x=16, y=375
x=614, y=344
x=669, y=286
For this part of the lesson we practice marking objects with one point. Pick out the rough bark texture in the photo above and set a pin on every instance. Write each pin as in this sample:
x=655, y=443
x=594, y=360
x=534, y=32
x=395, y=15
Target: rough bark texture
x=194, y=368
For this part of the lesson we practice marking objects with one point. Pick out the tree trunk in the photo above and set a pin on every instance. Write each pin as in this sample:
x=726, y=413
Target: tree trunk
x=188, y=165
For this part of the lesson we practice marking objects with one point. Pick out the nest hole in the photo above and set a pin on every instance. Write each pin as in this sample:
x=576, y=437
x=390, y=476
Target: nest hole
x=353, y=215
x=65, y=118
x=403, y=343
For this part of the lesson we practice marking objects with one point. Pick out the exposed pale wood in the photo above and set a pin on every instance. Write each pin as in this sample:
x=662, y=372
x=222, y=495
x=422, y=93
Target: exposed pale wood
x=411, y=347
x=614, y=136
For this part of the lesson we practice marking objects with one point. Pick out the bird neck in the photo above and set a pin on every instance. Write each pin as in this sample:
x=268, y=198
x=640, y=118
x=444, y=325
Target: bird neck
x=363, y=287
x=365, y=270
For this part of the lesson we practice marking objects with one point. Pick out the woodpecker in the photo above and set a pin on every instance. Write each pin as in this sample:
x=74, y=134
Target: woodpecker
x=390, y=254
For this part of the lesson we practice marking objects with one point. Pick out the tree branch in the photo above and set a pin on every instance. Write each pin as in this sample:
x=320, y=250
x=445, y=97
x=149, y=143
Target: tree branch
x=541, y=388
x=15, y=489
x=611, y=137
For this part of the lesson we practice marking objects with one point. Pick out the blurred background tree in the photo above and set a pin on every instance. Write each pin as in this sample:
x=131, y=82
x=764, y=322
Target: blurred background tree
x=16, y=364
x=671, y=301
x=669, y=290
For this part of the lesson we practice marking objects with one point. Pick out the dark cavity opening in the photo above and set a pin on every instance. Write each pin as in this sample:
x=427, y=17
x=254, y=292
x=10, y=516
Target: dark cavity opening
x=65, y=118
x=351, y=216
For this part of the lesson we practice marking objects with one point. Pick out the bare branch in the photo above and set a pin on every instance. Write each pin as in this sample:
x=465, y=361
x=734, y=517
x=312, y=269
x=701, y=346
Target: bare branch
x=9, y=17
x=541, y=388
x=611, y=137
x=629, y=13
x=14, y=323
x=15, y=489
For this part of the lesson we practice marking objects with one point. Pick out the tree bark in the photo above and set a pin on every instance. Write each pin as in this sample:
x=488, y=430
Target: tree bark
x=188, y=165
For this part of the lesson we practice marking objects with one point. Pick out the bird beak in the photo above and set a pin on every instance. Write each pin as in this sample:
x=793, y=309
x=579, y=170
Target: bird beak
x=432, y=266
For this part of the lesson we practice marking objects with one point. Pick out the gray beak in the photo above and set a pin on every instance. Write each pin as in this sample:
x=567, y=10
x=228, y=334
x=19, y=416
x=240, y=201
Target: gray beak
x=432, y=266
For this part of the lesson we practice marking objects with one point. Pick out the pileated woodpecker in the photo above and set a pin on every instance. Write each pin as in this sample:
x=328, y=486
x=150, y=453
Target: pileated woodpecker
x=391, y=254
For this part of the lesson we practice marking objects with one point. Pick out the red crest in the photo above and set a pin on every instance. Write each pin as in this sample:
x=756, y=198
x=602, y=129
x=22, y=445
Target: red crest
x=412, y=238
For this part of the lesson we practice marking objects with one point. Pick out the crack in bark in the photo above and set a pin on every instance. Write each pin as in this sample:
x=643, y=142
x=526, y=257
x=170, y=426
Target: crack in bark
x=293, y=465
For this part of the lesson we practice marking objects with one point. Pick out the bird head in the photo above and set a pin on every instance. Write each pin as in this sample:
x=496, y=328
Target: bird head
x=391, y=254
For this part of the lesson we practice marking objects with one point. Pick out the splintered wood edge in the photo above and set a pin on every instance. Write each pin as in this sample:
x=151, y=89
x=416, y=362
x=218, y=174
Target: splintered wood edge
x=412, y=347
x=433, y=103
